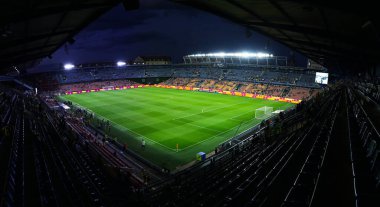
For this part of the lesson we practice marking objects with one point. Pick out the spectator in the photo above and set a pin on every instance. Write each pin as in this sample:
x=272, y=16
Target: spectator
x=143, y=144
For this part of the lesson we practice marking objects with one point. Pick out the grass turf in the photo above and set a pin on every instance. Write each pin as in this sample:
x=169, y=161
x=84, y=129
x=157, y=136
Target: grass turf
x=196, y=121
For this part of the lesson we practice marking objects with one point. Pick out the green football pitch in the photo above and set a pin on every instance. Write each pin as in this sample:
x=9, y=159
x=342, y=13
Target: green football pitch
x=166, y=118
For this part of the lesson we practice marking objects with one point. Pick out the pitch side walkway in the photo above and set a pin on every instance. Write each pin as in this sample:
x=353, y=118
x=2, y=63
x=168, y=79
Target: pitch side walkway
x=335, y=187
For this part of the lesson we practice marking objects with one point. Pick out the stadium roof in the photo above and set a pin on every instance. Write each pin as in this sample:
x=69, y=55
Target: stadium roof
x=31, y=30
x=334, y=33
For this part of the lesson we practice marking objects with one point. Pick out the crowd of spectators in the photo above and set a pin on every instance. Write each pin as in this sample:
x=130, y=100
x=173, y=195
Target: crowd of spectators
x=95, y=85
x=299, y=93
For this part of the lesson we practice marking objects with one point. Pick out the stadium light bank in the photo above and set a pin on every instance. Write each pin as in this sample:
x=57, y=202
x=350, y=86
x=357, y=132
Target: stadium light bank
x=68, y=66
x=121, y=63
x=238, y=54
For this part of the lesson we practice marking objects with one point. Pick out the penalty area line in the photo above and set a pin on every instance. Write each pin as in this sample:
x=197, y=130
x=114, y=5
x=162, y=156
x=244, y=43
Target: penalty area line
x=218, y=135
x=138, y=134
x=202, y=127
x=207, y=139
x=233, y=118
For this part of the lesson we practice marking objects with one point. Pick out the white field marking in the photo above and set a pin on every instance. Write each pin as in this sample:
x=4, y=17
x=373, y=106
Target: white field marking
x=215, y=136
x=233, y=118
x=208, y=138
x=198, y=126
x=138, y=133
x=210, y=110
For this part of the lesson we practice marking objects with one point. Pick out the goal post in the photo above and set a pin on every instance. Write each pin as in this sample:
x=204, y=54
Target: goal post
x=263, y=112
x=108, y=88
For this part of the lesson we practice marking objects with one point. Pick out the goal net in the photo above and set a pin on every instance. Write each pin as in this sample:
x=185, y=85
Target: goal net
x=263, y=112
x=108, y=88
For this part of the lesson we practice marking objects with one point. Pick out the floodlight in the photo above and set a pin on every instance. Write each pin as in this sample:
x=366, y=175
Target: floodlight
x=68, y=66
x=121, y=63
x=238, y=54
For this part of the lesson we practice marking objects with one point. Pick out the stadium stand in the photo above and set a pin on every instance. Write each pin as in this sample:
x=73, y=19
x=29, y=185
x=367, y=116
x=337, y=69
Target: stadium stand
x=45, y=165
x=289, y=160
x=94, y=85
x=295, y=84
x=370, y=89
x=252, y=74
x=364, y=150
x=298, y=93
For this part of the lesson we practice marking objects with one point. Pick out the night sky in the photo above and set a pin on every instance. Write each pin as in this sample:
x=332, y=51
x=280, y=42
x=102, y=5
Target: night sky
x=160, y=27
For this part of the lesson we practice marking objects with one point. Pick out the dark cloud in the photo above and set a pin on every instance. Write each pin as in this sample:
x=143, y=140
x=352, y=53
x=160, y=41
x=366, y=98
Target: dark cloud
x=119, y=18
x=161, y=27
x=108, y=39
x=141, y=37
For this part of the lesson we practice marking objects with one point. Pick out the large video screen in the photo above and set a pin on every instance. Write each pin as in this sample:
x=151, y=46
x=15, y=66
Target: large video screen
x=321, y=78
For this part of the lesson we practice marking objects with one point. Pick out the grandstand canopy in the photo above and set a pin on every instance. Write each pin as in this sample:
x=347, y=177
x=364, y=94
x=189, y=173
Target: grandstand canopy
x=334, y=33
x=31, y=30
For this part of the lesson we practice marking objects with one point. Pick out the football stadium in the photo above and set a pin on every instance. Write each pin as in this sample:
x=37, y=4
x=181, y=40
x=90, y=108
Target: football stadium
x=189, y=103
x=175, y=123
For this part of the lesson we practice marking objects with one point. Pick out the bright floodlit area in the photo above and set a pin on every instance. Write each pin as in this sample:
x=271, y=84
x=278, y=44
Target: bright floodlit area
x=167, y=118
